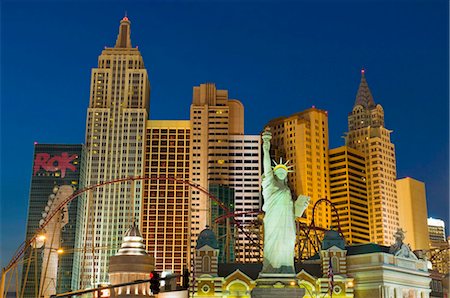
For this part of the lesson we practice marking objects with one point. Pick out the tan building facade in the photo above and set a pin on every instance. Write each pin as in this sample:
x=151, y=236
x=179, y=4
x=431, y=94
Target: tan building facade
x=348, y=192
x=116, y=118
x=412, y=212
x=219, y=151
x=302, y=138
x=213, y=118
x=368, y=135
x=165, y=211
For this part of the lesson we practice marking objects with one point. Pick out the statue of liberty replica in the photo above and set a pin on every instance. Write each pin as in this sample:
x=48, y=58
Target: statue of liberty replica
x=280, y=213
x=280, y=209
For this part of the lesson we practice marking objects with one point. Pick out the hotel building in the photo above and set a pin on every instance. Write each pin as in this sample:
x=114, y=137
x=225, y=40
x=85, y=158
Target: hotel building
x=116, y=119
x=53, y=165
x=436, y=231
x=368, y=134
x=439, y=253
x=165, y=211
x=245, y=177
x=217, y=155
x=412, y=212
x=348, y=193
x=302, y=138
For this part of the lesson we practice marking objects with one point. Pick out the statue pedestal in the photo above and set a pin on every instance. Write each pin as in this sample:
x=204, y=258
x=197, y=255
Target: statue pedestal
x=277, y=285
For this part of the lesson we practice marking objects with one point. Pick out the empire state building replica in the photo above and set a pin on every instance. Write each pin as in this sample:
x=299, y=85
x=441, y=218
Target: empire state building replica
x=116, y=117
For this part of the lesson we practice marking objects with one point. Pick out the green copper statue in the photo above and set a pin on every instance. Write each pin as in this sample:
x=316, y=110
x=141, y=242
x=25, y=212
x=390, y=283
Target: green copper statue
x=279, y=218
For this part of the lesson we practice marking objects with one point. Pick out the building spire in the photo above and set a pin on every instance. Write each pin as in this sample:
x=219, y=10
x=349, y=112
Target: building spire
x=364, y=96
x=123, y=39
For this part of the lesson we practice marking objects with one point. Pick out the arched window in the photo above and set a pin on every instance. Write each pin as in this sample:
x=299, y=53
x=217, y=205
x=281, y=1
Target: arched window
x=335, y=264
x=206, y=264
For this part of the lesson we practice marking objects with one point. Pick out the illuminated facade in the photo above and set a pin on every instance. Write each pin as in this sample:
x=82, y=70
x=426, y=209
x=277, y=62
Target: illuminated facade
x=436, y=231
x=368, y=135
x=302, y=138
x=213, y=118
x=131, y=263
x=245, y=176
x=363, y=270
x=165, y=208
x=116, y=118
x=412, y=212
x=348, y=192
x=217, y=124
x=54, y=165
x=439, y=253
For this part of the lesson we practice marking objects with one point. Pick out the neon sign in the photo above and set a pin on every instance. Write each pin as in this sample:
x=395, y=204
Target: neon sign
x=56, y=163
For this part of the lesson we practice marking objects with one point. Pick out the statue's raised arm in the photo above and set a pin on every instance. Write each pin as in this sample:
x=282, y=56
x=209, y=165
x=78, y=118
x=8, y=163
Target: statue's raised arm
x=266, y=137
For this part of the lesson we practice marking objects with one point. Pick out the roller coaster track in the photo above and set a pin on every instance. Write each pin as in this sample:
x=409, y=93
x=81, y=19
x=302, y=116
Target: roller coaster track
x=311, y=228
x=314, y=240
x=23, y=247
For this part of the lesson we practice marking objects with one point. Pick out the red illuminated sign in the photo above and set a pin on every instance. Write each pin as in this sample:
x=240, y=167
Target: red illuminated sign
x=56, y=163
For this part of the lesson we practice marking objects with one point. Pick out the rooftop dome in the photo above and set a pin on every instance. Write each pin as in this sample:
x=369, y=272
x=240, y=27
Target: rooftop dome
x=333, y=238
x=133, y=231
x=207, y=237
x=133, y=243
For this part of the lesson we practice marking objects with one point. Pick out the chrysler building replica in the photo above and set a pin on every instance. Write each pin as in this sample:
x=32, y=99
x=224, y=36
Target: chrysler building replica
x=116, y=118
x=368, y=135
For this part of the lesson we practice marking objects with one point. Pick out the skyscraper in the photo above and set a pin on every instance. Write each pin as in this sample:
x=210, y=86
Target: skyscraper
x=166, y=203
x=116, y=118
x=53, y=165
x=302, y=138
x=245, y=177
x=348, y=193
x=217, y=122
x=412, y=212
x=213, y=118
x=368, y=135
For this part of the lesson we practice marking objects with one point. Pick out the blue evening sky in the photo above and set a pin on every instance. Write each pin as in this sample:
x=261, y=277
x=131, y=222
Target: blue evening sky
x=277, y=57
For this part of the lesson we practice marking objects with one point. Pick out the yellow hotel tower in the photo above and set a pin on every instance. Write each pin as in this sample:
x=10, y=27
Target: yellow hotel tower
x=348, y=189
x=412, y=209
x=368, y=135
x=302, y=138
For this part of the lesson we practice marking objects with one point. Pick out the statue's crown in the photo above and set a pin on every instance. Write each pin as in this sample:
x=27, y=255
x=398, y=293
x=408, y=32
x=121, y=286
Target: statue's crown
x=282, y=165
